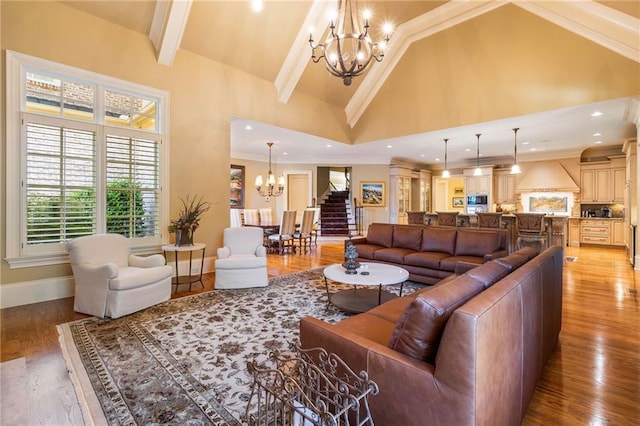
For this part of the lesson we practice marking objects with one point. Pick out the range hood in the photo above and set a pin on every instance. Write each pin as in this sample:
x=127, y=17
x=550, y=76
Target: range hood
x=548, y=176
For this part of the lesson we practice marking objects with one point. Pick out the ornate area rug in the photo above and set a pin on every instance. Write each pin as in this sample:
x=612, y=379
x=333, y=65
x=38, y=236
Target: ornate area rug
x=184, y=361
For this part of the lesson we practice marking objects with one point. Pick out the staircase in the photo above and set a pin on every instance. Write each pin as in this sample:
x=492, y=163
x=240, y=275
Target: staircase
x=334, y=217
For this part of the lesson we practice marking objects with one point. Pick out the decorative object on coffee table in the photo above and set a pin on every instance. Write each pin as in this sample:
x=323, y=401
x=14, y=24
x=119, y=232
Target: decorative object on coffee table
x=188, y=220
x=350, y=254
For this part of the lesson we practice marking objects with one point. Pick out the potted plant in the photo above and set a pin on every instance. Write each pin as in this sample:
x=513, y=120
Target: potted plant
x=188, y=220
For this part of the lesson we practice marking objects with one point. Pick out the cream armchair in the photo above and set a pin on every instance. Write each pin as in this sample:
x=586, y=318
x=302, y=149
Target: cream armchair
x=112, y=282
x=242, y=261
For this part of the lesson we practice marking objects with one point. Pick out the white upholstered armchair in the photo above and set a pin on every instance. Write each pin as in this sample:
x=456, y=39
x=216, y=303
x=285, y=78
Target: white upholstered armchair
x=112, y=282
x=242, y=261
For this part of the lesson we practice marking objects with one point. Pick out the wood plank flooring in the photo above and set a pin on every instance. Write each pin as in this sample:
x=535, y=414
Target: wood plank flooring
x=593, y=377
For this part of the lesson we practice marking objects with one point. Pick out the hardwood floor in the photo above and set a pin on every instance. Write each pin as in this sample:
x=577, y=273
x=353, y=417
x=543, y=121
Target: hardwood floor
x=592, y=378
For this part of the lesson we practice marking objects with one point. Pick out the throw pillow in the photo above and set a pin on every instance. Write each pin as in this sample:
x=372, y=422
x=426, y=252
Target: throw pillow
x=418, y=331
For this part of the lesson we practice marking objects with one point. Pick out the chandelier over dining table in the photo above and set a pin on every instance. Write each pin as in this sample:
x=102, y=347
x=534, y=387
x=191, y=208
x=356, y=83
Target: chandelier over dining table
x=348, y=49
x=272, y=188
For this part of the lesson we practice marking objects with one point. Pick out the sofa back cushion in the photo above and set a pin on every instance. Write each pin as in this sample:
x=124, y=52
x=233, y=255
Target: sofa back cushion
x=439, y=239
x=380, y=234
x=407, y=236
x=476, y=243
x=418, y=331
x=488, y=273
x=517, y=258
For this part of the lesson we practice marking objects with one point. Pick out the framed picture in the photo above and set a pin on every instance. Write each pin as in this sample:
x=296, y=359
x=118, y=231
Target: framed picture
x=372, y=194
x=457, y=201
x=236, y=188
x=458, y=190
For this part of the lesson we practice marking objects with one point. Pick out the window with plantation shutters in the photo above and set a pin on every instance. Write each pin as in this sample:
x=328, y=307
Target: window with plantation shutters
x=60, y=184
x=132, y=186
x=87, y=155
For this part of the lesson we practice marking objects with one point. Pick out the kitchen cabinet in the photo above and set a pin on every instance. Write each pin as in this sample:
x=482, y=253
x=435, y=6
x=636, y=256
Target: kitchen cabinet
x=595, y=231
x=602, y=183
x=618, y=232
x=505, y=188
x=574, y=232
x=478, y=185
x=619, y=182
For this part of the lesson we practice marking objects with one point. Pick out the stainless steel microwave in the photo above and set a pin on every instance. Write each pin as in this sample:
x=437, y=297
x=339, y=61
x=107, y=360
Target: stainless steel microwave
x=476, y=200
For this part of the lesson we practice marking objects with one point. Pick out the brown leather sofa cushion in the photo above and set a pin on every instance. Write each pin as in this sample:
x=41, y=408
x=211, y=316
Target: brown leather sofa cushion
x=418, y=331
x=393, y=255
x=425, y=259
x=366, y=251
x=439, y=239
x=517, y=258
x=474, y=243
x=409, y=237
x=488, y=273
x=380, y=234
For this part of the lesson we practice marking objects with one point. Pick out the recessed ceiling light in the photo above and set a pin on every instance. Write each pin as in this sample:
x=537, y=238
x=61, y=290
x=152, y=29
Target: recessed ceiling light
x=285, y=153
x=437, y=159
x=596, y=113
x=596, y=134
x=525, y=143
x=389, y=146
x=256, y=5
x=468, y=149
x=328, y=145
x=248, y=127
x=532, y=149
x=598, y=142
x=421, y=155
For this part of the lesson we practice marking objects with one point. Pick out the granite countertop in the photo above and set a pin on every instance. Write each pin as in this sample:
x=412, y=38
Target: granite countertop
x=597, y=218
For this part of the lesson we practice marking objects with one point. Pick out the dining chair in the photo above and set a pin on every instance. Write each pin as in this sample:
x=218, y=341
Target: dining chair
x=284, y=239
x=235, y=218
x=304, y=234
x=251, y=217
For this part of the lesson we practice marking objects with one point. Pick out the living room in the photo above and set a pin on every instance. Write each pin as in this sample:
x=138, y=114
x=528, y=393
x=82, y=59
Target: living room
x=205, y=94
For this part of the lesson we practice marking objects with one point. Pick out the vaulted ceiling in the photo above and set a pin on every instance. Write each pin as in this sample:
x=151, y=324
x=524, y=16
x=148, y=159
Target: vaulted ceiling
x=450, y=66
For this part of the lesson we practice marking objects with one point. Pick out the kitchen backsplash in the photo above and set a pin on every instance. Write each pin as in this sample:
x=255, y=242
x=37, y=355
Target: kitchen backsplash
x=617, y=210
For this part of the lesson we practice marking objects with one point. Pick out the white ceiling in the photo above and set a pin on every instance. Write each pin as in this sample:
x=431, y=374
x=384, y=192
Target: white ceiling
x=226, y=31
x=553, y=134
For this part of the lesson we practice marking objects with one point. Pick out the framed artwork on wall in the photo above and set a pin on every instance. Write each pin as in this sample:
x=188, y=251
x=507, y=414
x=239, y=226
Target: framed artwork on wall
x=236, y=189
x=372, y=194
x=457, y=201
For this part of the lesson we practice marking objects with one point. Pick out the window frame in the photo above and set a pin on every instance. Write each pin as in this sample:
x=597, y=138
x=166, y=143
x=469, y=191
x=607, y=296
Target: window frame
x=17, y=65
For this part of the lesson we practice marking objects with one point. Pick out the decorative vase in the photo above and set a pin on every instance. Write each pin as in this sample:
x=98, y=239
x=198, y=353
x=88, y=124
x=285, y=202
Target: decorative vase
x=184, y=237
x=350, y=254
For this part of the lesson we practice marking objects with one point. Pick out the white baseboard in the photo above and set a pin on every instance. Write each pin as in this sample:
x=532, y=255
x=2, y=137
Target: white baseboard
x=28, y=292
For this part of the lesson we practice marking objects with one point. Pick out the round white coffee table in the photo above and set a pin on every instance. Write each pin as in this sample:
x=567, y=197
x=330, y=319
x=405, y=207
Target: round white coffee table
x=362, y=296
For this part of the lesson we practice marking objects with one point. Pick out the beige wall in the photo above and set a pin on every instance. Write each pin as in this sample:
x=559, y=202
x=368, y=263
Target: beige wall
x=204, y=95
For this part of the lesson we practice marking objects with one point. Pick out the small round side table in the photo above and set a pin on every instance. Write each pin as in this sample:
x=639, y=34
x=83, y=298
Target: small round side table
x=185, y=279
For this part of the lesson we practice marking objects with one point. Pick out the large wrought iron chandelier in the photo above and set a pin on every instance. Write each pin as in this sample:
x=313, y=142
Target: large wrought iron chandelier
x=271, y=189
x=348, y=50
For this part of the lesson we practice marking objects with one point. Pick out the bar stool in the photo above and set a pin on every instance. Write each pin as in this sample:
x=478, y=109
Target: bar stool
x=531, y=230
x=489, y=220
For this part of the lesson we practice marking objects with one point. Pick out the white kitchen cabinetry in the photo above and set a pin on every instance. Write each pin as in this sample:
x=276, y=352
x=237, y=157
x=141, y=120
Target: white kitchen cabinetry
x=617, y=232
x=619, y=180
x=505, y=188
x=602, y=183
x=595, y=232
x=478, y=185
x=574, y=232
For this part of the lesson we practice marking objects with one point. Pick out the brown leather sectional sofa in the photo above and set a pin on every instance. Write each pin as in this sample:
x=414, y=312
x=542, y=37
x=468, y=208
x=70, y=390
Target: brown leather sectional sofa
x=430, y=253
x=466, y=351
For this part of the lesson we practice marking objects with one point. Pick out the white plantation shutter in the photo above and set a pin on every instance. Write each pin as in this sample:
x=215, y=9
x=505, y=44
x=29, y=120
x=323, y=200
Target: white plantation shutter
x=132, y=186
x=60, y=183
x=86, y=153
